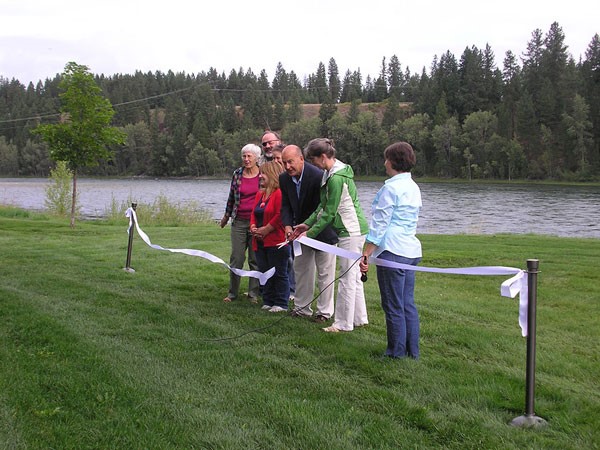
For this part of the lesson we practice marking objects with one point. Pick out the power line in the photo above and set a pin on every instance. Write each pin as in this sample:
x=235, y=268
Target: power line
x=166, y=94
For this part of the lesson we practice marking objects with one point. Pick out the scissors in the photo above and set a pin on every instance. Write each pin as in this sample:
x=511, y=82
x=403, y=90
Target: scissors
x=286, y=242
x=283, y=244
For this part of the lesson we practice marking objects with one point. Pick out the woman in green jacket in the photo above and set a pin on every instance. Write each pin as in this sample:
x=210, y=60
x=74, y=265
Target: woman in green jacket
x=341, y=209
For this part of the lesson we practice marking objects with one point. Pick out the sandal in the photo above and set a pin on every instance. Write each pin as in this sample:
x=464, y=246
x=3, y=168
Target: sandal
x=331, y=329
x=226, y=300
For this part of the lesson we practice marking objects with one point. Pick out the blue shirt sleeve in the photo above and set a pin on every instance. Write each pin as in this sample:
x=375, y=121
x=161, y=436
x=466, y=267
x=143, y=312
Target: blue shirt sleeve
x=382, y=210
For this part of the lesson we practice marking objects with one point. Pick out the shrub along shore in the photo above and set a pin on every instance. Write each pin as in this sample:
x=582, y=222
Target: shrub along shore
x=95, y=357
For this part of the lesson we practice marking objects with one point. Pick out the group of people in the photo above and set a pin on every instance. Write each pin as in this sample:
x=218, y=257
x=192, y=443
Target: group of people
x=283, y=193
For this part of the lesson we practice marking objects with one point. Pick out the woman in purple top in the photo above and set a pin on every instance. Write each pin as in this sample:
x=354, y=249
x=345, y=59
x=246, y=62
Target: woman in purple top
x=243, y=189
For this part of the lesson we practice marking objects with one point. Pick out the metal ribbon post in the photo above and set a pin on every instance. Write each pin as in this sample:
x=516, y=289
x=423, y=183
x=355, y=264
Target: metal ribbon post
x=529, y=419
x=128, y=267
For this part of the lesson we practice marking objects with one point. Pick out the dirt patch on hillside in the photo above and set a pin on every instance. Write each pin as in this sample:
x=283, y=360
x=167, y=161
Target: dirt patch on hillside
x=311, y=110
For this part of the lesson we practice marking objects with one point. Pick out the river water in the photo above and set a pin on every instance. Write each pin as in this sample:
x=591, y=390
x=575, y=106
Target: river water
x=448, y=208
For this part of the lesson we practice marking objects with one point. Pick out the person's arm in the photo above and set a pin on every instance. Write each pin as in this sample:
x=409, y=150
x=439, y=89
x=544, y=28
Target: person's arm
x=230, y=203
x=274, y=209
x=367, y=252
x=381, y=215
x=275, y=220
x=252, y=217
x=325, y=215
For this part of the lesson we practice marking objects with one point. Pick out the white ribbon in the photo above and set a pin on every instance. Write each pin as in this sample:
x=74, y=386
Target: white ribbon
x=510, y=288
x=262, y=277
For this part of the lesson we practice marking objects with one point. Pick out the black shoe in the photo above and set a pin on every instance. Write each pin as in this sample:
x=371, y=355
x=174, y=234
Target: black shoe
x=320, y=319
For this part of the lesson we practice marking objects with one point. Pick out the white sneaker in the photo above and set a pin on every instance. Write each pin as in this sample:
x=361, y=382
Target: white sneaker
x=265, y=307
x=276, y=309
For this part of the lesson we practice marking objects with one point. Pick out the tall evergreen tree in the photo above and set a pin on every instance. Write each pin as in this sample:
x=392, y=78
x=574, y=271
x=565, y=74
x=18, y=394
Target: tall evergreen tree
x=294, y=110
x=590, y=70
x=334, y=80
x=346, y=86
x=554, y=69
x=392, y=113
x=235, y=86
x=532, y=63
x=578, y=127
x=326, y=112
x=492, y=80
x=9, y=158
x=352, y=87
x=471, y=96
x=280, y=83
x=445, y=78
x=381, y=88
x=176, y=126
x=395, y=78
x=320, y=84
x=441, y=111
x=368, y=93
x=279, y=117
x=528, y=127
x=353, y=112
x=411, y=85
x=510, y=95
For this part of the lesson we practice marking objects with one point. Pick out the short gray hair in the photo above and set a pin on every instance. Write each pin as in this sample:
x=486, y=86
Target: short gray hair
x=252, y=148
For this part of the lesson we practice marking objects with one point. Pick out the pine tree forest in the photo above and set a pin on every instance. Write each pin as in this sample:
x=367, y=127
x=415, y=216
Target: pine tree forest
x=531, y=116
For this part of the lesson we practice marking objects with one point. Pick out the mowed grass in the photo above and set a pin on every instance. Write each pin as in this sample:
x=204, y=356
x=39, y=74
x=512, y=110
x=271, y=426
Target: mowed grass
x=95, y=357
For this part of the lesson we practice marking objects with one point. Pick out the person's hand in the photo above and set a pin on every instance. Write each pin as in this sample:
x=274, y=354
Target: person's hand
x=224, y=220
x=364, y=264
x=260, y=233
x=299, y=231
x=288, y=232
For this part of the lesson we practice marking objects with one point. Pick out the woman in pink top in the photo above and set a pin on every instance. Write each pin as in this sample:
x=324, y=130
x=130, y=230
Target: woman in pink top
x=243, y=189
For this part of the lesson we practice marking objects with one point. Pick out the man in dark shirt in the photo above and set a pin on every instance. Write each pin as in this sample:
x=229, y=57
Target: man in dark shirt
x=300, y=186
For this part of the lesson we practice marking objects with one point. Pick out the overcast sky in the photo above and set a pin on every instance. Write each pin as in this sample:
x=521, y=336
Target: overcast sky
x=38, y=37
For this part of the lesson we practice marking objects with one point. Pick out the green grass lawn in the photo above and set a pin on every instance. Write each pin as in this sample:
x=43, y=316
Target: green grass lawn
x=95, y=357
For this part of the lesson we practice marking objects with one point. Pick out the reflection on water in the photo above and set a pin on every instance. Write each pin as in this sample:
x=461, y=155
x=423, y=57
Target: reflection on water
x=448, y=208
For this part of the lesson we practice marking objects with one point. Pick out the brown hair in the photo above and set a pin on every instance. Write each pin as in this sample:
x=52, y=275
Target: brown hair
x=278, y=148
x=318, y=147
x=274, y=133
x=401, y=156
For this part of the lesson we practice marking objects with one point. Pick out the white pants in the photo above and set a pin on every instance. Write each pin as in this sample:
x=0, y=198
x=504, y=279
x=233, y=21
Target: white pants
x=350, y=305
x=306, y=265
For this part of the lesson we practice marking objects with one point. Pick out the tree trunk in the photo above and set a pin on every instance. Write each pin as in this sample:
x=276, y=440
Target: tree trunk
x=74, y=198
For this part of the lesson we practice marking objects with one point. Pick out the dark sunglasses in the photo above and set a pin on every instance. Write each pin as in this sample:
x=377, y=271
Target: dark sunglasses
x=264, y=144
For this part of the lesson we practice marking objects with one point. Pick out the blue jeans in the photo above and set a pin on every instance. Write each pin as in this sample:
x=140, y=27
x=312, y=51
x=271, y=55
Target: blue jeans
x=397, y=288
x=276, y=291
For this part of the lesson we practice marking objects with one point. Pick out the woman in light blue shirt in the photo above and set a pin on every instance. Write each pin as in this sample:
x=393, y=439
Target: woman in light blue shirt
x=392, y=236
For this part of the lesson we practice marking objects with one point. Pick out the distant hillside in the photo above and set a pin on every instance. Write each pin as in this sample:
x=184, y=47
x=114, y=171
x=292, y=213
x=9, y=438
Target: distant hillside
x=310, y=110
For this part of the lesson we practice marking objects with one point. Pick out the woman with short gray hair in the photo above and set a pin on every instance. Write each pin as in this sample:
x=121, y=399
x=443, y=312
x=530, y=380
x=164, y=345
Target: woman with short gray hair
x=242, y=191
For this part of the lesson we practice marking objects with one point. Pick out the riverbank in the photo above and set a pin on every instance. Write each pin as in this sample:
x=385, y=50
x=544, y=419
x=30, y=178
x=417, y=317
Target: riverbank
x=448, y=208
x=95, y=357
x=381, y=179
